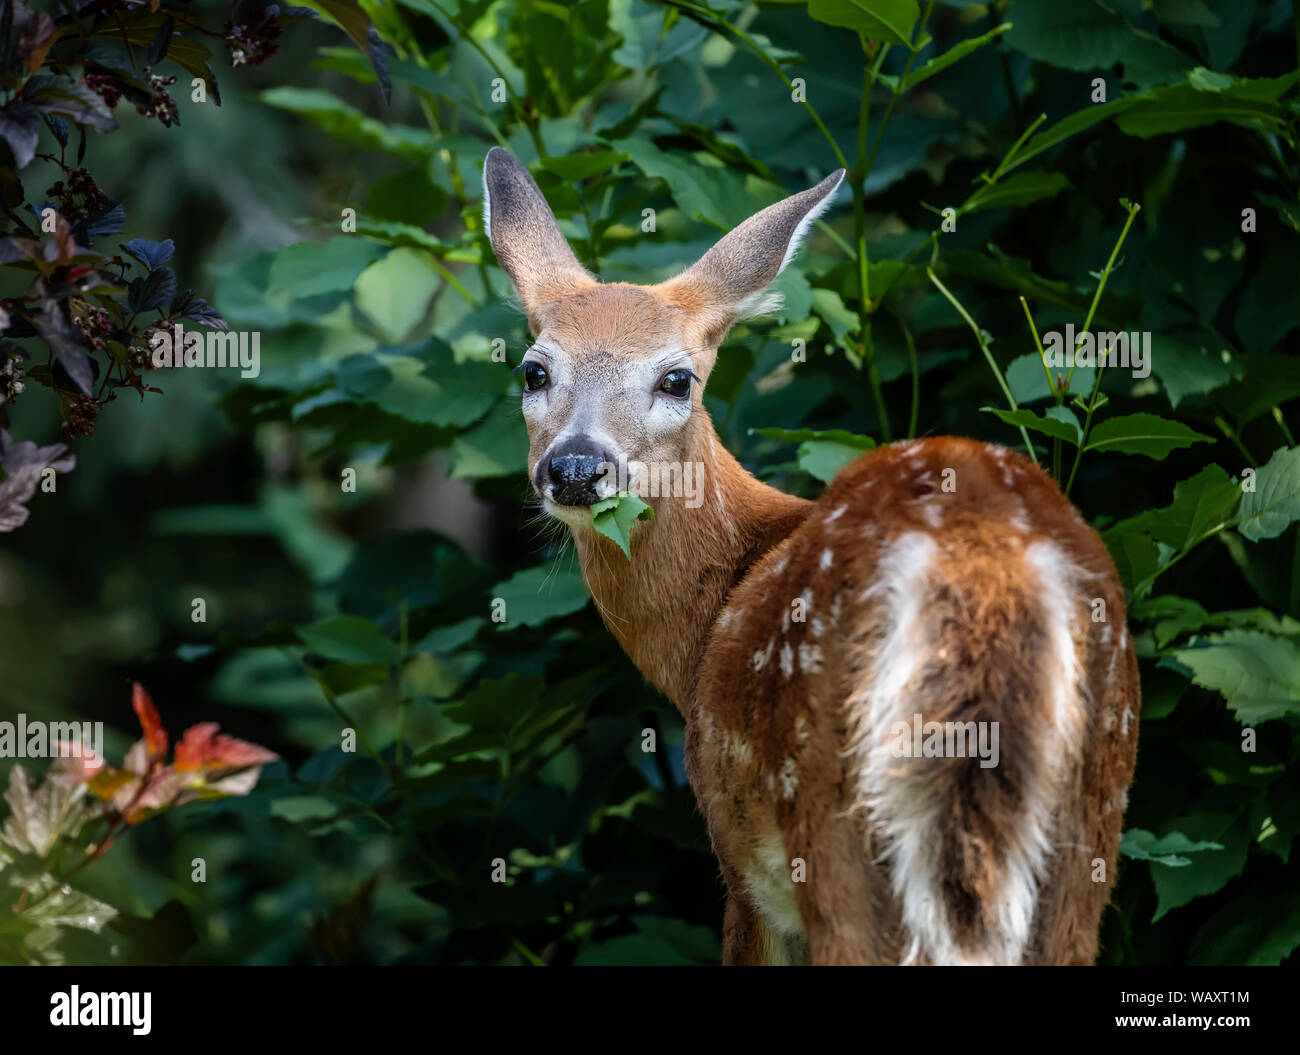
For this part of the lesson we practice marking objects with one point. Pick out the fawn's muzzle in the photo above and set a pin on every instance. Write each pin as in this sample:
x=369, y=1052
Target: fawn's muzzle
x=575, y=471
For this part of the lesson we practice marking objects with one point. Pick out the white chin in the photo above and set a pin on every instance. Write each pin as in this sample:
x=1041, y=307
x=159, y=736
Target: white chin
x=574, y=516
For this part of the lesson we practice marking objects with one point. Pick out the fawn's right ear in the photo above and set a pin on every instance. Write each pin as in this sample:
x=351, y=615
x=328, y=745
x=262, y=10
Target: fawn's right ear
x=525, y=238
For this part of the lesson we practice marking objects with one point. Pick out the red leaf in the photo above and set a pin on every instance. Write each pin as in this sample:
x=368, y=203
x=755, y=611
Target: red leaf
x=155, y=736
x=202, y=747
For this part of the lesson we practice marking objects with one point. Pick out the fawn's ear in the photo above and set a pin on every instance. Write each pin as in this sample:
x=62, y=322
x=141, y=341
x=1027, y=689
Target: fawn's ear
x=525, y=238
x=730, y=281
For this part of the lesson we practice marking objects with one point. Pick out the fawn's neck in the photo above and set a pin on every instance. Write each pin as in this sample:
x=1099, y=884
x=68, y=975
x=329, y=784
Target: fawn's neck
x=662, y=603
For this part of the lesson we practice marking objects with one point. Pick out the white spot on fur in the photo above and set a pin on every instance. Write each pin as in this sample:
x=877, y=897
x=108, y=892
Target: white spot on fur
x=933, y=514
x=828, y=558
x=789, y=779
x=787, y=660
x=759, y=660
x=1128, y=717
x=816, y=627
x=839, y=512
x=810, y=658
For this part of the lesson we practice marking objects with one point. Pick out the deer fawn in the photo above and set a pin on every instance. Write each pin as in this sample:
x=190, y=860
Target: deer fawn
x=941, y=590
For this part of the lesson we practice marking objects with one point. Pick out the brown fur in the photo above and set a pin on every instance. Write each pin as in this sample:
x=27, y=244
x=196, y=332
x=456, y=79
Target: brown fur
x=703, y=608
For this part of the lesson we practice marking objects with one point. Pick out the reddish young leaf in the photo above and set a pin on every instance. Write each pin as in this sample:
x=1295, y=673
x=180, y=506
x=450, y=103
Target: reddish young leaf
x=155, y=736
x=202, y=747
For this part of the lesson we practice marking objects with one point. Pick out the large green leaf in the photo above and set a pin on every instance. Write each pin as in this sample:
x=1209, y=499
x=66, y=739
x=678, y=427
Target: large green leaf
x=307, y=269
x=1023, y=188
x=1274, y=504
x=1206, y=872
x=349, y=639
x=395, y=293
x=1257, y=673
x=888, y=20
x=1144, y=434
x=538, y=594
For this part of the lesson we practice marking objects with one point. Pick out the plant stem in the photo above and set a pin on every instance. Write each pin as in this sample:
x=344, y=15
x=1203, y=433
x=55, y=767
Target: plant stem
x=1133, y=209
x=979, y=336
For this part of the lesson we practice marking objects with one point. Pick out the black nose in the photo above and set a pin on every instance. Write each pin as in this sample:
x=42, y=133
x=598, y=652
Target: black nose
x=575, y=470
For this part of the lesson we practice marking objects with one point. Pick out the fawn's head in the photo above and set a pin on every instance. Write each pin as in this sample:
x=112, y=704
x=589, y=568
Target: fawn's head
x=614, y=380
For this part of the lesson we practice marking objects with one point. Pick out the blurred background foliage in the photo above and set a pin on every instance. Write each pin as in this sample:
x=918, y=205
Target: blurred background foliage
x=521, y=741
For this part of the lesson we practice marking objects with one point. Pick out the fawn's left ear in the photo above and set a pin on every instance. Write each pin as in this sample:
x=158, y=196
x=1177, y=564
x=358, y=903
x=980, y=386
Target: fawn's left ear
x=730, y=281
x=525, y=237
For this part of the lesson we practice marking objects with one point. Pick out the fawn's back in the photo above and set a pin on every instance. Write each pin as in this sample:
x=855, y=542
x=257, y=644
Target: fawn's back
x=912, y=742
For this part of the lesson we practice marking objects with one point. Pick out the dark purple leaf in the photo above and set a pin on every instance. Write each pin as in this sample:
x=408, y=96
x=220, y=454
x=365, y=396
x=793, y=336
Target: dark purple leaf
x=150, y=253
x=152, y=292
x=58, y=126
x=109, y=221
x=158, y=49
x=18, y=128
x=67, y=98
x=53, y=327
x=379, y=60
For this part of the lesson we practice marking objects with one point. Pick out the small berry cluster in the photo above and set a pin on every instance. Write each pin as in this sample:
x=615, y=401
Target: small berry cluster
x=78, y=195
x=254, y=43
x=105, y=87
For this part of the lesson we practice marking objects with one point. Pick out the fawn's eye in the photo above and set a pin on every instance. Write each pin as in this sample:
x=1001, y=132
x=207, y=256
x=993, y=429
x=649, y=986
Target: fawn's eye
x=677, y=383
x=535, y=376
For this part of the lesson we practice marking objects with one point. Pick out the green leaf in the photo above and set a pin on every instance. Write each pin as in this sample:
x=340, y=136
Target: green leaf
x=888, y=20
x=52, y=903
x=395, y=293
x=1274, y=504
x=1142, y=845
x=583, y=166
x=1069, y=126
x=1020, y=189
x=497, y=446
x=1192, y=370
x=1257, y=673
x=298, y=808
x=822, y=454
x=307, y=269
x=1072, y=36
x=349, y=124
x=1060, y=423
x=1142, y=434
x=1206, y=873
x=1200, y=503
x=713, y=194
x=39, y=817
x=1028, y=382
x=1178, y=107
x=541, y=593
x=349, y=639
x=1260, y=929
x=1204, y=80
x=954, y=54
x=613, y=517
x=442, y=639
x=830, y=306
